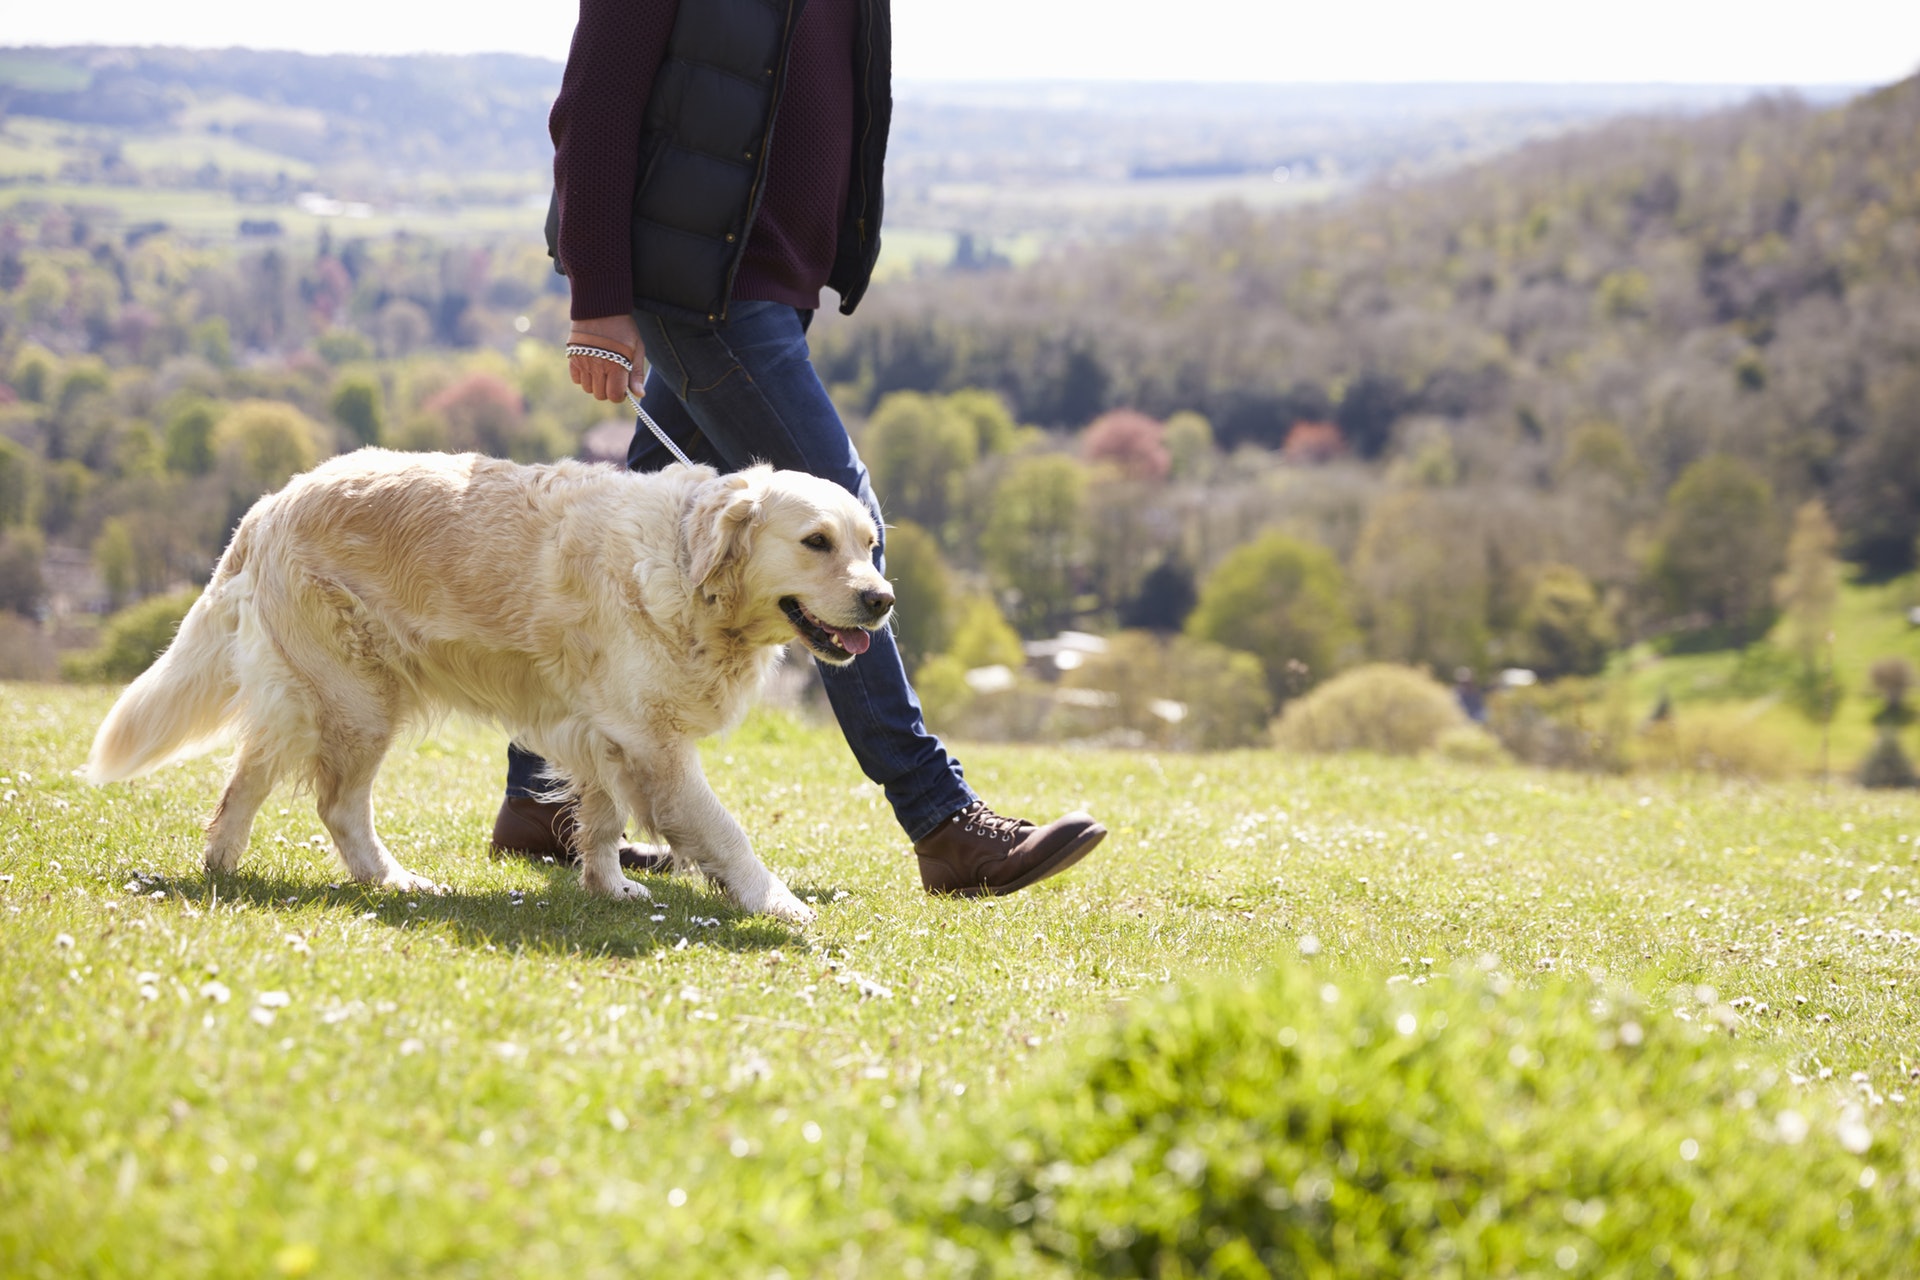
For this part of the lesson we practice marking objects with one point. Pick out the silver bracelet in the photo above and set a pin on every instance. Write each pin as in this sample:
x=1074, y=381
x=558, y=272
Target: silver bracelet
x=599, y=353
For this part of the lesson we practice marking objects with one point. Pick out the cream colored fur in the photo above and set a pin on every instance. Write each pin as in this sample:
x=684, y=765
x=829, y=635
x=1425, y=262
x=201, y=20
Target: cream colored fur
x=607, y=620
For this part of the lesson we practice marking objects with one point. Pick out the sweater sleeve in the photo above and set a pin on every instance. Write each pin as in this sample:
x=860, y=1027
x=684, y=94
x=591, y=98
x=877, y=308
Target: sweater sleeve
x=617, y=50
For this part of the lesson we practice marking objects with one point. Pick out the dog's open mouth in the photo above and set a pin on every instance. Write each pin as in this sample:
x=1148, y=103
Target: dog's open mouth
x=836, y=644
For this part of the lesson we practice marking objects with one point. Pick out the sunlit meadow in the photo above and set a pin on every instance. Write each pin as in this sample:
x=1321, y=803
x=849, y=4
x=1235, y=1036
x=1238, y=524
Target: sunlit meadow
x=1372, y=1016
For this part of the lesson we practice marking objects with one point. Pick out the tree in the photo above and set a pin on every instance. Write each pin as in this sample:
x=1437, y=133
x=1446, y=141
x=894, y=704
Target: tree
x=22, y=587
x=1189, y=441
x=1367, y=412
x=1165, y=600
x=923, y=593
x=1718, y=546
x=267, y=443
x=1422, y=574
x=189, y=439
x=982, y=637
x=1806, y=594
x=356, y=406
x=1283, y=601
x=33, y=373
x=919, y=449
x=994, y=429
x=113, y=557
x=1130, y=441
x=18, y=480
x=1032, y=542
x=1564, y=627
x=1892, y=679
x=484, y=413
x=1877, y=494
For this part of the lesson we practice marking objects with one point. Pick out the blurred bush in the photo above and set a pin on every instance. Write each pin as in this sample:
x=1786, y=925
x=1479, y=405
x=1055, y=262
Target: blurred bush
x=25, y=651
x=1177, y=694
x=1470, y=744
x=1378, y=707
x=131, y=640
x=1887, y=766
x=1569, y=724
x=1724, y=740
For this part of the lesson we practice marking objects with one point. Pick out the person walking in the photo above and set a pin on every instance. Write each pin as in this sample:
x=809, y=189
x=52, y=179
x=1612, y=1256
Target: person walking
x=716, y=165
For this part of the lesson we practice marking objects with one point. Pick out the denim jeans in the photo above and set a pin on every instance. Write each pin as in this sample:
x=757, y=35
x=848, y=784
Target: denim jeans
x=746, y=392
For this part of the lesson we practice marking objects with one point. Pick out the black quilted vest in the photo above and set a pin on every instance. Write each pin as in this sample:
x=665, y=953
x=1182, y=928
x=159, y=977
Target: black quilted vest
x=703, y=154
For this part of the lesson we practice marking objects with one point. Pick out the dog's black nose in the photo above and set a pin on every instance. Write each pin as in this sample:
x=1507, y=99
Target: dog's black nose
x=877, y=602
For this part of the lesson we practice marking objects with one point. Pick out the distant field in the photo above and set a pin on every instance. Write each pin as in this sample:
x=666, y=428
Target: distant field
x=216, y=215
x=1869, y=623
x=275, y=1073
x=36, y=73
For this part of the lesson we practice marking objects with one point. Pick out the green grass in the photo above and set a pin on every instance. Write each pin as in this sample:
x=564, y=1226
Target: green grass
x=515, y=1078
x=1869, y=623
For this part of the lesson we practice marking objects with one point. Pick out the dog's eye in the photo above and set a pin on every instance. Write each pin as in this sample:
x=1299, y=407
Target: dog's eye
x=818, y=541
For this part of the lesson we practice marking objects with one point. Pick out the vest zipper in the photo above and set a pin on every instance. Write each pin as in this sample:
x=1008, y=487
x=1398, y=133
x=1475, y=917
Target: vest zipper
x=760, y=162
x=866, y=130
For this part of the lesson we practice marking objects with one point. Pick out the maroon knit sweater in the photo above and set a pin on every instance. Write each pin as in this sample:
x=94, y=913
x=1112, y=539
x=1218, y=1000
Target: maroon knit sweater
x=618, y=47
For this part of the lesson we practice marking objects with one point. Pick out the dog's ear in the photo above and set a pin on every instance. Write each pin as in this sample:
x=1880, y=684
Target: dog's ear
x=718, y=528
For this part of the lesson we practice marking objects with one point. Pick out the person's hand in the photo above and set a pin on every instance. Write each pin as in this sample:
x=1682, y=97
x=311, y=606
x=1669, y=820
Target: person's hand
x=604, y=379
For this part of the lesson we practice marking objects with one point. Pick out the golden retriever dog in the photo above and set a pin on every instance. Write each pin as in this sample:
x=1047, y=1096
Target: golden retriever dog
x=607, y=620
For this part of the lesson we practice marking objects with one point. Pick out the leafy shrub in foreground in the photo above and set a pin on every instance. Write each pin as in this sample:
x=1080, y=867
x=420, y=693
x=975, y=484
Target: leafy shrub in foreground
x=1379, y=707
x=131, y=640
x=1299, y=1128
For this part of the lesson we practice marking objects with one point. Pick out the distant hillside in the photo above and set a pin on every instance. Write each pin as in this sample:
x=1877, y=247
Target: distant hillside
x=977, y=173
x=487, y=111
x=1636, y=297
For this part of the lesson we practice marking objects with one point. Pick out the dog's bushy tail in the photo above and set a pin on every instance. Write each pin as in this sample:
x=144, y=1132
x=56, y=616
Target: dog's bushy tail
x=180, y=704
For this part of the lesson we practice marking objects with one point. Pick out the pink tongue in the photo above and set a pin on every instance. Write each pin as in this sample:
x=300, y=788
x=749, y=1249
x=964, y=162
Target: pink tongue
x=852, y=639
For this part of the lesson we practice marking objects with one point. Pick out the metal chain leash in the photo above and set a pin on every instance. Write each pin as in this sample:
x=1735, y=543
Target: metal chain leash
x=646, y=419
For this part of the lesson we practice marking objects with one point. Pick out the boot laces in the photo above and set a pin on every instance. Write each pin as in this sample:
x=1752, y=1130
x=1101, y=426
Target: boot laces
x=988, y=823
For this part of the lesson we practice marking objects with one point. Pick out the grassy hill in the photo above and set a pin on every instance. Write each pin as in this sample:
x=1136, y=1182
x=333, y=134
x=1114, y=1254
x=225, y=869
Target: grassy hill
x=204, y=140
x=1359, y=1017
x=1870, y=623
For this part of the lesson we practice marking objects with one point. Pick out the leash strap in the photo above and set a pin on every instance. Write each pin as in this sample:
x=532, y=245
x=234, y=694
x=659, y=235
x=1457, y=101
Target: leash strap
x=633, y=401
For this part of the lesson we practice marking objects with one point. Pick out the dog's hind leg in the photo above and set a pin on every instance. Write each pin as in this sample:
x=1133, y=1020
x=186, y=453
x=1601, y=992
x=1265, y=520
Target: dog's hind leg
x=343, y=785
x=255, y=770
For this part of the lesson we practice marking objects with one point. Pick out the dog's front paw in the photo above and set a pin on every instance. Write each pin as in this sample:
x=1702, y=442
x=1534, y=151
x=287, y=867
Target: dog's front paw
x=776, y=900
x=619, y=887
x=411, y=882
x=789, y=908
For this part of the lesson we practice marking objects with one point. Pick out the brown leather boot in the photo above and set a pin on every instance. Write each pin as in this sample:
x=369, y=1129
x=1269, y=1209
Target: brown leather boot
x=538, y=829
x=977, y=853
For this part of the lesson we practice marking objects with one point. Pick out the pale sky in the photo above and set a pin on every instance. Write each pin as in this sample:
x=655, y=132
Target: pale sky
x=1275, y=41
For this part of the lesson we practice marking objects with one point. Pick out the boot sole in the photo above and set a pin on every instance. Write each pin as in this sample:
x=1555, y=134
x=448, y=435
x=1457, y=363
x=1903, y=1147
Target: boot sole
x=1065, y=857
x=631, y=858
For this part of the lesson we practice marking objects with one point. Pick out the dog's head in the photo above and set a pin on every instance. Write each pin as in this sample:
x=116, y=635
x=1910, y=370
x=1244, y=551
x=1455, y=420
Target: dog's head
x=785, y=551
